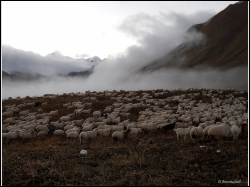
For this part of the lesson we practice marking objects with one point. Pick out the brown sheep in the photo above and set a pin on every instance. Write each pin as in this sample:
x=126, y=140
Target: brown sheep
x=244, y=130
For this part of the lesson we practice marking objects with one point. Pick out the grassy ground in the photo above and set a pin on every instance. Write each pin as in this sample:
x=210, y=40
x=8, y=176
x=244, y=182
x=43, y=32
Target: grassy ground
x=156, y=159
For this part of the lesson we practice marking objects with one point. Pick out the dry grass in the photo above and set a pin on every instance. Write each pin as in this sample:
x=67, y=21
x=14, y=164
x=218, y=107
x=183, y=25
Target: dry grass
x=52, y=161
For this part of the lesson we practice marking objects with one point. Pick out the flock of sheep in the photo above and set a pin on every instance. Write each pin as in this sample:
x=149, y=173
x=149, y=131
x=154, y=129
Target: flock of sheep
x=225, y=116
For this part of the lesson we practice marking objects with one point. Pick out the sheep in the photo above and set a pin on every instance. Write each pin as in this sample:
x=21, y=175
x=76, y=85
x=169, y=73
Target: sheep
x=118, y=128
x=88, y=127
x=196, y=132
x=68, y=122
x=43, y=132
x=67, y=127
x=40, y=116
x=218, y=131
x=166, y=126
x=90, y=119
x=235, y=132
x=21, y=105
x=132, y=125
x=7, y=114
x=41, y=127
x=119, y=135
x=205, y=130
x=67, y=104
x=30, y=118
x=59, y=132
x=10, y=135
x=32, y=114
x=182, y=132
x=148, y=126
x=180, y=125
x=103, y=132
x=133, y=131
x=77, y=129
x=92, y=134
x=78, y=122
x=72, y=135
x=82, y=135
x=65, y=118
x=30, y=104
x=97, y=114
x=97, y=124
x=59, y=125
x=244, y=130
x=78, y=111
x=9, y=120
x=86, y=111
x=116, y=121
x=53, y=113
x=27, y=134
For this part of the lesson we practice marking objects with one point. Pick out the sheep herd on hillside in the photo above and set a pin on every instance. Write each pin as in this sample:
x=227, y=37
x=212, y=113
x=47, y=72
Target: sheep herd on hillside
x=225, y=116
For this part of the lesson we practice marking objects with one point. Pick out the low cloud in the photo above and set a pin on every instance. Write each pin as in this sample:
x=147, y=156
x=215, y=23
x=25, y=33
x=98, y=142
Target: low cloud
x=155, y=35
x=24, y=61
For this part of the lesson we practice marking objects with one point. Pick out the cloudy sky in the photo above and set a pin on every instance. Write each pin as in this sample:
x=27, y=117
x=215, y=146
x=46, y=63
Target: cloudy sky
x=86, y=28
x=129, y=34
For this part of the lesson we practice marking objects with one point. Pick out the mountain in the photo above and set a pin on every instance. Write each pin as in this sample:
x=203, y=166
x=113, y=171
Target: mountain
x=225, y=45
x=21, y=76
x=25, y=65
x=85, y=73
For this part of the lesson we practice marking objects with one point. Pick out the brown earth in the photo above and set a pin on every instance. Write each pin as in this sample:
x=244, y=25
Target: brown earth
x=150, y=159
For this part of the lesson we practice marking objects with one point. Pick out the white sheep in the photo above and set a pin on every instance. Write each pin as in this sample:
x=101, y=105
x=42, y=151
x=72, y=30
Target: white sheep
x=77, y=129
x=134, y=131
x=90, y=119
x=196, y=133
x=30, y=104
x=67, y=104
x=67, y=127
x=43, y=132
x=132, y=125
x=9, y=120
x=103, y=132
x=53, y=113
x=27, y=134
x=72, y=135
x=88, y=127
x=119, y=135
x=97, y=114
x=10, y=135
x=218, y=131
x=7, y=114
x=116, y=121
x=59, y=125
x=41, y=127
x=97, y=124
x=78, y=122
x=86, y=111
x=82, y=135
x=68, y=122
x=235, y=132
x=59, y=132
x=92, y=134
x=65, y=118
x=182, y=132
x=148, y=126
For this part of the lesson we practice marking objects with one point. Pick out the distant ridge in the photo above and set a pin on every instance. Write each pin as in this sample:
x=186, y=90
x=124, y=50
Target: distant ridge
x=226, y=44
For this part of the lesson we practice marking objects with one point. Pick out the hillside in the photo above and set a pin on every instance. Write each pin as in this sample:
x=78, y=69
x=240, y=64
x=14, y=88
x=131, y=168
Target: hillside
x=154, y=158
x=226, y=43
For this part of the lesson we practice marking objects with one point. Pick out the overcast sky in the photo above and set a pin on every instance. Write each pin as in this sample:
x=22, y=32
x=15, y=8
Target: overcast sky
x=95, y=28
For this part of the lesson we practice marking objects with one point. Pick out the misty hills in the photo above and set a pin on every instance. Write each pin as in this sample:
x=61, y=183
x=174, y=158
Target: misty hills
x=20, y=65
x=224, y=46
x=21, y=76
